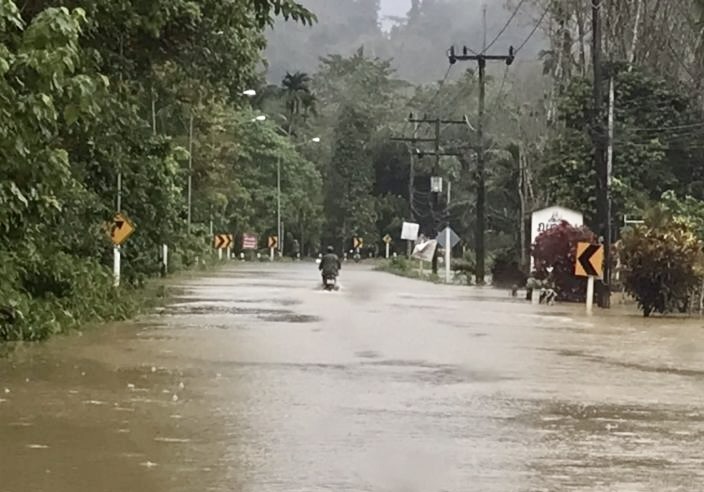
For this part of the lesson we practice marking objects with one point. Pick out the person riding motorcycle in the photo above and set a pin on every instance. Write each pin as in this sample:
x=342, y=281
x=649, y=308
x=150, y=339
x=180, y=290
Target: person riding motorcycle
x=330, y=264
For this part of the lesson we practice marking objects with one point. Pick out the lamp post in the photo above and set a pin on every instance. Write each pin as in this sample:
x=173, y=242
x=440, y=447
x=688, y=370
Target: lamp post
x=279, y=231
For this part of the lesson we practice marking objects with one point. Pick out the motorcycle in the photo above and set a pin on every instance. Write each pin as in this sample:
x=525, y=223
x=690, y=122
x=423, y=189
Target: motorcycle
x=330, y=282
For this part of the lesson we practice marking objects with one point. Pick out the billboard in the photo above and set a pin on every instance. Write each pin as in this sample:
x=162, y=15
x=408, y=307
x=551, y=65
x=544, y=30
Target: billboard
x=547, y=218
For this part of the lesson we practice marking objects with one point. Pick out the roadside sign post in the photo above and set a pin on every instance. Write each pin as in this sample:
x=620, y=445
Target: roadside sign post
x=409, y=232
x=589, y=263
x=116, y=266
x=387, y=240
x=448, y=251
x=223, y=242
x=590, y=294
x=448, y=239
x=273, y=243
x=357, y=245
x=250, y=241
x=120, y=230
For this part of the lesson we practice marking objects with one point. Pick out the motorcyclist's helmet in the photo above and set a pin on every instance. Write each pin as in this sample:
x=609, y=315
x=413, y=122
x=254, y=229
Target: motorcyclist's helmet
x=330, y=249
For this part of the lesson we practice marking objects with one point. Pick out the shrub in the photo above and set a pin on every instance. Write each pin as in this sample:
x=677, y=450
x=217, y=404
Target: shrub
x=557, y=248
x=506, y=270
x=661, y=265
x=400, y=263
x=464, y=269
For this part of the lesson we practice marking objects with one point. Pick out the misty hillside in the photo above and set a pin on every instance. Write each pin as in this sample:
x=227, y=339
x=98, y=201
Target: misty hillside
x=417, y=42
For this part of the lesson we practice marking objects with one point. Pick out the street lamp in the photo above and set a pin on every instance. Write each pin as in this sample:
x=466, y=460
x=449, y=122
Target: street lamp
x=278, y=192
x=248, y=93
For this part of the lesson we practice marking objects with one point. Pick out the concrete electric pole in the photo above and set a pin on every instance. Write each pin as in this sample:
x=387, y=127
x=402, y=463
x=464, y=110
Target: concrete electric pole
x=481, y=60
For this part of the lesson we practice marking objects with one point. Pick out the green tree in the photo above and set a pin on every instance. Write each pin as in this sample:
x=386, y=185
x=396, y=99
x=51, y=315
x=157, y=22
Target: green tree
x=350, y=206
x=656, y=125
x=300, y=101
x=89, y=93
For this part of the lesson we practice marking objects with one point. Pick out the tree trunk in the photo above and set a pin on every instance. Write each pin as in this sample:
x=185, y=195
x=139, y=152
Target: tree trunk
x=582, y=48
x=153, y=114
x=634, y=40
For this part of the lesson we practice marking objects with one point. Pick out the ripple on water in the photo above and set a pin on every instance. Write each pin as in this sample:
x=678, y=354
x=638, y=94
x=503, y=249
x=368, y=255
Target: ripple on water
x=172, y=440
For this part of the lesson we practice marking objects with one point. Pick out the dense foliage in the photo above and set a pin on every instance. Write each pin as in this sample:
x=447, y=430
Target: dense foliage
x=662, y=263
x=555, y=253
x=91, y=89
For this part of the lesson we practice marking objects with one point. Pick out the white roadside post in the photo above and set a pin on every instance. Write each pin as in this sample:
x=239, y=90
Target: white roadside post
x=448, y=245
x=116, y=266
x=448, y=251
x=590, y=294
x=448, y=239
x=121, y=229
x=220, y=254
x=387, y=240
x=165, y=257
x=116, y=246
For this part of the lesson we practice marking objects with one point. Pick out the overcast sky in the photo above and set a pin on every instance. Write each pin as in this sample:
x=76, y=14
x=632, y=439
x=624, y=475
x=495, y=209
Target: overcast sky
x=398, y=8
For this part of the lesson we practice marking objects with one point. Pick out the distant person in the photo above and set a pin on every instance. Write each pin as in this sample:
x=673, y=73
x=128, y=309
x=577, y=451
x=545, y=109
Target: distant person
x=330, y=264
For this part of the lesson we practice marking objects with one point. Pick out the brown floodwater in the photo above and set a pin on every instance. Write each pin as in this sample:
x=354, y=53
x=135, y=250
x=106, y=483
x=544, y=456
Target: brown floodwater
x=255, y=380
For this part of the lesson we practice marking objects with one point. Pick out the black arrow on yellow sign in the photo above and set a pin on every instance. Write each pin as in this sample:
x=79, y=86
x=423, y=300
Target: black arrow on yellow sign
x=273, y=242
x=222, y=241
x=590, y=259
x=121, y=229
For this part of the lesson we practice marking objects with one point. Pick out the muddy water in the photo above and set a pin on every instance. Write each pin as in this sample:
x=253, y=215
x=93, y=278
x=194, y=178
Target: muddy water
x=256, y=381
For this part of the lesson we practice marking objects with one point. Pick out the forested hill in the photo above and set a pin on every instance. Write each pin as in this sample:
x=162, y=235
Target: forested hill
x=416, y=43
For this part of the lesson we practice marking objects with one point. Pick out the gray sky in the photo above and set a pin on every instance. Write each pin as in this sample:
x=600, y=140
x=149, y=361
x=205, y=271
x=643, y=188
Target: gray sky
x=398, y=8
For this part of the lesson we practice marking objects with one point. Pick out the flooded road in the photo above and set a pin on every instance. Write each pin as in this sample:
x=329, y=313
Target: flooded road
x=254, y=380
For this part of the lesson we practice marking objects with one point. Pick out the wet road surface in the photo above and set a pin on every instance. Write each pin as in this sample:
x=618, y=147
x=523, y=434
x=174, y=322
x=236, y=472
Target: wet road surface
x=255, y=380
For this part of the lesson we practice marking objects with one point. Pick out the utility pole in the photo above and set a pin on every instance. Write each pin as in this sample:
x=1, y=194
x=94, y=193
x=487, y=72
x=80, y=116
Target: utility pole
x=608, y=239
x=481, y=60
x=278, y=201
x=411, y=173
x=416, y=152
x=411, y=183
x=190, y=170
x=600, y=164
x=412, y=170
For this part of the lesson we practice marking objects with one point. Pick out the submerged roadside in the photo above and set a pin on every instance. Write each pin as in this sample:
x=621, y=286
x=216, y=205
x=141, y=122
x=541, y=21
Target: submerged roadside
x=85, y=298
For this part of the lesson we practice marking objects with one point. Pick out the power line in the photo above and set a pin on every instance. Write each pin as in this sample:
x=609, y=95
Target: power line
x=535, y=29
x=503, y=29
x=439, y=88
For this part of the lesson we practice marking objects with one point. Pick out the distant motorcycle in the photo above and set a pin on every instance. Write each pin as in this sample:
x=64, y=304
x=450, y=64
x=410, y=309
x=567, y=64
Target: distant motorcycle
x=330, y=282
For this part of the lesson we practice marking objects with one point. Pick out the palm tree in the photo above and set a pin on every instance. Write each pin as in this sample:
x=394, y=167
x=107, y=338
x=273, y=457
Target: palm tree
x=300, y=100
